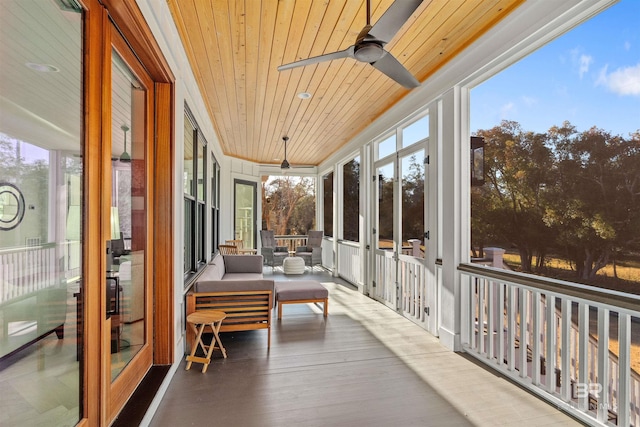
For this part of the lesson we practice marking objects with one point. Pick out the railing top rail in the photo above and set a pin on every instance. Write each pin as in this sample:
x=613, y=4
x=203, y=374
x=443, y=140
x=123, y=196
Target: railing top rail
x=17, y=249
x=629, y=302
x=291, y=236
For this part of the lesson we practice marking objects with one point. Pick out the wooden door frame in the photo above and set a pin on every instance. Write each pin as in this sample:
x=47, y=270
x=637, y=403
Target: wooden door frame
x=95, y=363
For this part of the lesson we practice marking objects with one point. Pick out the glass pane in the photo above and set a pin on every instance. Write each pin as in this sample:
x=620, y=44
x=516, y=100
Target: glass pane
x=385, y=207
x=386, y=147
x=188, y=235
x=416, y=131
x=413, y=204
x=245, y=213
x=41, y=221
x=328, y=204
x=351, y=200
x=187, y=182
x=201, y=171
x=125, y=275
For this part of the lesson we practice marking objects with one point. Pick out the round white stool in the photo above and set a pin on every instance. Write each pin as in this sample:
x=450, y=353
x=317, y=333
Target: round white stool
x=293, y=265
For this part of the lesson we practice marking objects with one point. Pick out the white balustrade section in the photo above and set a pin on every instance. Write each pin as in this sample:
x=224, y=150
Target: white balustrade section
x=569, y=343
x=349, y=265
x=26, y=270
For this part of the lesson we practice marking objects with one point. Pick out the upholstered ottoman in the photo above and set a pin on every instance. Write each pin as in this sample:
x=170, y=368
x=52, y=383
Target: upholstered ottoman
x=301, y=292
x=293, y=265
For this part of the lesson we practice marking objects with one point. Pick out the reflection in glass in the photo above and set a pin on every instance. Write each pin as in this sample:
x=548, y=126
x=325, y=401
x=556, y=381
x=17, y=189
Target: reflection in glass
x=126, y=278
x=41, y=199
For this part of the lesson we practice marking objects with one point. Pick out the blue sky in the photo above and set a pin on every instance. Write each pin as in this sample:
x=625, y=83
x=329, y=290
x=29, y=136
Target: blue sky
x=589, y=76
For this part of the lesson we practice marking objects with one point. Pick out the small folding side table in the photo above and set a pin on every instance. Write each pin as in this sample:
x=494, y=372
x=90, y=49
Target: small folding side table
x=199, y=320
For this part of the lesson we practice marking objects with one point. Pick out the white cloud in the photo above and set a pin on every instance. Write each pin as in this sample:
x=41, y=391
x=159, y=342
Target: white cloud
x=585, y=62
x=627, y=46
x=506, y=110
x=623, y=81
x=529, y=101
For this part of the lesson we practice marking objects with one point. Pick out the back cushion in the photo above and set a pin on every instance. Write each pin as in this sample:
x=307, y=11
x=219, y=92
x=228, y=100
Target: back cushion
x=218, y=261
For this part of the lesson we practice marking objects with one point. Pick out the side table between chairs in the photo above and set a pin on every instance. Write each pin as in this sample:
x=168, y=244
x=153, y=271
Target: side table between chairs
x=199, y=320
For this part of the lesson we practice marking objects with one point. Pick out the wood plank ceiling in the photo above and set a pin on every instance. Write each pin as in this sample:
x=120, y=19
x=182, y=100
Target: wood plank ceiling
x=234, y=48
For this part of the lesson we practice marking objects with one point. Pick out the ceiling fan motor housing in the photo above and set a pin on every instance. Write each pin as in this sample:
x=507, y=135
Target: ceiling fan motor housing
x=368, y=52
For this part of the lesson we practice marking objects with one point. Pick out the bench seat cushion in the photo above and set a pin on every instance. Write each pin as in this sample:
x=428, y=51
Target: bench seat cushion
x=300, y=290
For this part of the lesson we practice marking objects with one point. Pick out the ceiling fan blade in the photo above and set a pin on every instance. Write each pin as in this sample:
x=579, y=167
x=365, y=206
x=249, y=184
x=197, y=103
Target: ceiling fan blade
x=390, y=66
x=347, y=53
x=394, y=18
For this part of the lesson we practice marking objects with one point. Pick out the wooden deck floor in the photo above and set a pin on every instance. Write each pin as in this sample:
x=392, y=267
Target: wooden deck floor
x=363, y=366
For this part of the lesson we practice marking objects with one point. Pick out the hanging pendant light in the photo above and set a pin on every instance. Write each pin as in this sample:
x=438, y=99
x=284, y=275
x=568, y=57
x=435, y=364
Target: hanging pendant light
x=285, y=163
x=125, y=157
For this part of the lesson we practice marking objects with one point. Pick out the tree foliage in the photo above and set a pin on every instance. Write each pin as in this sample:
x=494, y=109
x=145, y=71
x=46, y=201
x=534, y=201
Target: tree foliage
x=576, y=194
x=288, y=204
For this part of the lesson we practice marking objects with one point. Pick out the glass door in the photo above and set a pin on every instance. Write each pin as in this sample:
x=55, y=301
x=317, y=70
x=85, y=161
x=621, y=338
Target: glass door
x=128, y=289
x=245, y=213
x=399, y=232
x=385, y=232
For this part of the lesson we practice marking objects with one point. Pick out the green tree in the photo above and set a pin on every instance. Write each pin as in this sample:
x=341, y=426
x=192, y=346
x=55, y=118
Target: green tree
x=288, y=204
x=510, y=206
x=595, y=203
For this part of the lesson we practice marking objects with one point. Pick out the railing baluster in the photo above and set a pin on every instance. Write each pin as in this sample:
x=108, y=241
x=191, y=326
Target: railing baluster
x=500, y=328
x=511, y=328
x=490, y=320
x=535, y=342
x=603, y=364
x=481, y=316
x=523, y=332
x=565, y=382
x=551, y=343
x=583, y=361
x=624, y=369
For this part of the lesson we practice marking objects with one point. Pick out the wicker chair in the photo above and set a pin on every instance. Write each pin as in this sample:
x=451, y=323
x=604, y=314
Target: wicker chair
x=272, y=254
x=228, y=249
x=312, y=252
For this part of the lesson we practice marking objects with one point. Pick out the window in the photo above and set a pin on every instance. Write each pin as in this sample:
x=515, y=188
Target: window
x=386, y=147
x=194, y=180
x=215, y=204
x=327, y=196
x=416, y=131
x=288, y=204
x=412, y=179
x=558, y=196
x=351, y=200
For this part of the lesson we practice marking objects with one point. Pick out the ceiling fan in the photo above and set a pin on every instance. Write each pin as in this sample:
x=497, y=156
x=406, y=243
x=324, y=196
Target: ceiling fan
x=285, y=165
x=369, y=46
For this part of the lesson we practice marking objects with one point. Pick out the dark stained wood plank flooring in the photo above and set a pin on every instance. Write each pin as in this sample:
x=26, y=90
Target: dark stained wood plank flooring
x=363, y=366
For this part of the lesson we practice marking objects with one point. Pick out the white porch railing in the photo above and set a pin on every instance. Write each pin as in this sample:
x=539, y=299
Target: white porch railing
x=291, y=241
x=28, y=269
x=405, y=285
x=570, y=344
x=349, y=254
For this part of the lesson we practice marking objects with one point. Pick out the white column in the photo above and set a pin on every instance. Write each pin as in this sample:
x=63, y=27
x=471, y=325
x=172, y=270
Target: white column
x=455, y=200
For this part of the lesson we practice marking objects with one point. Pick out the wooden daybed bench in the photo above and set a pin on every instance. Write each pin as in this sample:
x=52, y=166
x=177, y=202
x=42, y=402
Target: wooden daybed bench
x=234, y=284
